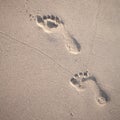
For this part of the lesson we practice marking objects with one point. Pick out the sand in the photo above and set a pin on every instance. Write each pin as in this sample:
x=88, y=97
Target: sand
x=59, y=60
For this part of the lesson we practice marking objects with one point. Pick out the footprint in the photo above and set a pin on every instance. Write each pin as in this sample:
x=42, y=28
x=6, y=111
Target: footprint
x=83, y=79
x=77, y=81
x=52, y=24
x=101, y=97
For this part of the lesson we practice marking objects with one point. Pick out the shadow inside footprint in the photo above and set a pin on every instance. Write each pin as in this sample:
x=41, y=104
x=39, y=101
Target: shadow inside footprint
x=39, y=19
x=76, y=43
x=104, y=94
x=51, y=24
x=74, y=81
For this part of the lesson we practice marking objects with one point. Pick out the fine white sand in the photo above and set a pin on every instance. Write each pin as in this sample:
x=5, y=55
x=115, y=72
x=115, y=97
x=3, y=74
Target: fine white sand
x=43, y=62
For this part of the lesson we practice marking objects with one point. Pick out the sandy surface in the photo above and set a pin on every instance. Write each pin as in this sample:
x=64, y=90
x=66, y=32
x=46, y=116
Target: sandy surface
x=36, y=68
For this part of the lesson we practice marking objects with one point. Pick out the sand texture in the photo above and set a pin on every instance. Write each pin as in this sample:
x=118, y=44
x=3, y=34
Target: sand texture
x=59, y=59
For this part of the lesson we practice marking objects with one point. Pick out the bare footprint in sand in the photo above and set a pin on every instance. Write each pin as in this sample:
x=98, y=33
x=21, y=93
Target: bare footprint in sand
x=100, y=96
x=52, y=24
x=77, y=81
x=83, y=79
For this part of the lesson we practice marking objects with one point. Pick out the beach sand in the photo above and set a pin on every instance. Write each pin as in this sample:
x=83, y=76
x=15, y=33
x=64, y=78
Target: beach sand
x=44, y=59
